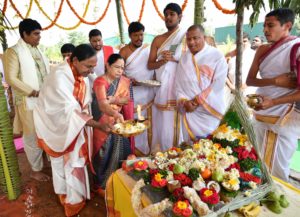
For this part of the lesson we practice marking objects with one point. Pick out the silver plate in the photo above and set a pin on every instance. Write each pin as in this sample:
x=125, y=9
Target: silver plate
x=149, y=83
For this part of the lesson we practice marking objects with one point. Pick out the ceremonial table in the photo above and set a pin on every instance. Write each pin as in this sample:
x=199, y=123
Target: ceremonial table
x=120, y=185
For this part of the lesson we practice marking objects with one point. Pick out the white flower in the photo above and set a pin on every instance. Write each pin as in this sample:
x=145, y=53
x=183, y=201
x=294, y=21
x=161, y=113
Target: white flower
x=198, y=165
x=247, y=193
x=228, y=150
x=170, y=176
x=198, y=184
x=252, y=185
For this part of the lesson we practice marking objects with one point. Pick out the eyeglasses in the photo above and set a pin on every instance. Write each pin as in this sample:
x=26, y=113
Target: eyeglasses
x=89, y=67
x=118, y=67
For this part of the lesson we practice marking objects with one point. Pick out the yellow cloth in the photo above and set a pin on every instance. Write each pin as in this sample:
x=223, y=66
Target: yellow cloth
x=118, y=195
x=120, y=185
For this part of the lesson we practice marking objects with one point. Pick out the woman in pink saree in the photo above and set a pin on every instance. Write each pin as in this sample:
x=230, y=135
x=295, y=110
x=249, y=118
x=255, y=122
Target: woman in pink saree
x=112, y=102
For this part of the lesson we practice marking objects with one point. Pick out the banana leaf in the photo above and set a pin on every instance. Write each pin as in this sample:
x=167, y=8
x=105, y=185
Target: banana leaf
x=10, y=182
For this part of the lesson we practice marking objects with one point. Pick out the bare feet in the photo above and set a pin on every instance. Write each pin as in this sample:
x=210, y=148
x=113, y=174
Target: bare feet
x=99, y=191
x=39, y=176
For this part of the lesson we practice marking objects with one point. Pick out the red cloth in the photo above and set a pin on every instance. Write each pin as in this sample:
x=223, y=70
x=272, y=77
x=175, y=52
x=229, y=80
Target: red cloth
x=107, y=51
x=295, y=63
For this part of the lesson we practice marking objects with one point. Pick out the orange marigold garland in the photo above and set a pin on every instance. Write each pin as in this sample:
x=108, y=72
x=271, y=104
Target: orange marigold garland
x=125, y=14
x=224, y=10
x=56, y=17
x=56, y=24
x=183, y=6
x=4, y=7
x=87, y=22
x=18, y=12
x=142, y=11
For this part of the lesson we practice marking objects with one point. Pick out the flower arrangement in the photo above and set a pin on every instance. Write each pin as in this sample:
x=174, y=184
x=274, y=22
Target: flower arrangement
x=206, y=175
x=182, y=208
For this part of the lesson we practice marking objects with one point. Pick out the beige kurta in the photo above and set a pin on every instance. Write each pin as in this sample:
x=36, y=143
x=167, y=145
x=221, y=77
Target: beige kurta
x=18, y=61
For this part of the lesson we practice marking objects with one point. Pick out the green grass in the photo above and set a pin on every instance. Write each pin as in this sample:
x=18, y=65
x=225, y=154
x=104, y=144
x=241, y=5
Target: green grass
x=295, y=164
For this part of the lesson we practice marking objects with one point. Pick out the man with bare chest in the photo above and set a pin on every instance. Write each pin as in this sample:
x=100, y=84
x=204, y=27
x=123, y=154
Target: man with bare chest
x=136, y=56
x=166, y=50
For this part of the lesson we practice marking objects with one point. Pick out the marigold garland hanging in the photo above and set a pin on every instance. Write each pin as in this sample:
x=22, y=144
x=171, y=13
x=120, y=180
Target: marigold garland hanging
x=62, y=27
x=56, y=17
x=59, y=12
x=87, y=22
x=183, y=6
x=125, y=14
x=4, y=7
x=19, y=13
x=224, y=10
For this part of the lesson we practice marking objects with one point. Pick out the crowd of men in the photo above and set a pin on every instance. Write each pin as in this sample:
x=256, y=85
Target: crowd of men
x=188, y=105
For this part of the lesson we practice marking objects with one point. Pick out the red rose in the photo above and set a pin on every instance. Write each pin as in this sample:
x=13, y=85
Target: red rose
x=249, y=177
x=140, y=165
x=178, y=193
x=176, y=210
x=171, y=167
x=253, y=154
x=234, y=166
x=187, y=181
x=187, y=212
x=209, y=196
x=243, y=155
x=153, y=172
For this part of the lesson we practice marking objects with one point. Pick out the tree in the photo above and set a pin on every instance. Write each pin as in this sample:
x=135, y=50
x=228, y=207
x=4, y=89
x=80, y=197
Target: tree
x=199, y=12
x=77, y=38
x=120, y=21
x=256, y=5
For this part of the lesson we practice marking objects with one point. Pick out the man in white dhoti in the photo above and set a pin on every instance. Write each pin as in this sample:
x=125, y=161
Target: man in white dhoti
x=25, y=68
x=136, y=56
x=166, y=50
x=277, y=122
x=103, y=52
x=200, y=80
x=63, y=125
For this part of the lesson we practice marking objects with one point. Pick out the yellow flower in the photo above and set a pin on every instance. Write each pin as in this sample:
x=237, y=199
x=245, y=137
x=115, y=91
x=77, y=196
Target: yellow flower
x=140, y=163
x=242, y=138
x=208, y=193
x=211, y=157
x=217, y=145
x=223, y=128
x=197, y=146
x=181, y=205
x=223, y=150
x=233, y=181
x=158, y=177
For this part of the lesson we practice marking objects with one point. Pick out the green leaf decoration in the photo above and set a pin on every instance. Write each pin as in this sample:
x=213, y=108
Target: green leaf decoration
x=10, y=181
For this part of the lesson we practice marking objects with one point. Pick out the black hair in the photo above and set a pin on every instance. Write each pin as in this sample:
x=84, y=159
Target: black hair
x=135, y=27
x=94, y=32
x=260, y=37
x=67, y=48
x=196, y=26
x=173, y=7
x=83, y=52
x=113, y=58
x=246, y=35
x=28, y=25
x=283, y=15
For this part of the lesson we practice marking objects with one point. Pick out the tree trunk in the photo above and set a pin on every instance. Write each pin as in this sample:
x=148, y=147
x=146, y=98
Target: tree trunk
x=120, y=21
x=199, y=12
x=239, y=48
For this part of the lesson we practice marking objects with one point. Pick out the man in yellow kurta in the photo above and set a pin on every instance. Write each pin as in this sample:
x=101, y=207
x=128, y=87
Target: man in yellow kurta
x=25, y=68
